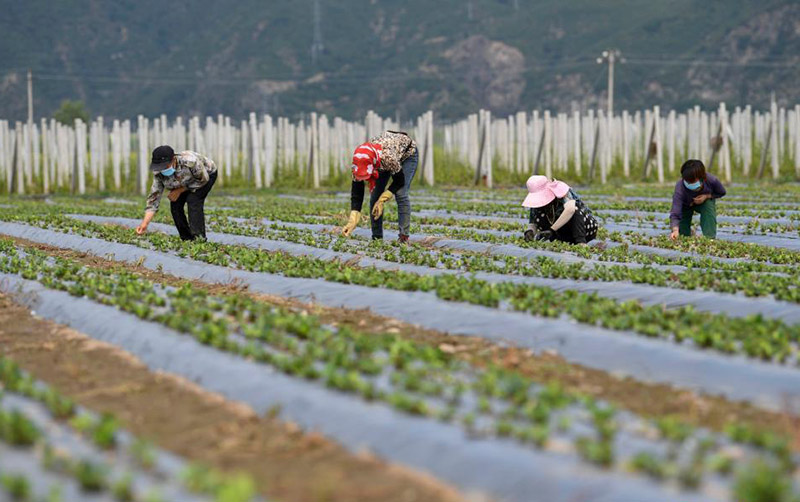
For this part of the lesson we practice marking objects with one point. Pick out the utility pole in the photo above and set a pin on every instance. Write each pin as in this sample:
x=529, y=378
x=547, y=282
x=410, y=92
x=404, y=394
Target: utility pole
x=612, y=56
x=30, y=98
x=317, y=46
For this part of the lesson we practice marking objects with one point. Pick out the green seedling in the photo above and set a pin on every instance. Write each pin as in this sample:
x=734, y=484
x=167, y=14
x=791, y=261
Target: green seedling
x=17, y=486
x=91, y=477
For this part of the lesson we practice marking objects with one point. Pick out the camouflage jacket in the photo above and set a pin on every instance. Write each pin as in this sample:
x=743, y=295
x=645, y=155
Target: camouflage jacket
x=395, y=148
x=191, y=171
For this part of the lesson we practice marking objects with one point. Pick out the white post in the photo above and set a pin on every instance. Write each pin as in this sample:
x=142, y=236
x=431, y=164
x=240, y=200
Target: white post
x=671, y=141
x=144, y=155
x=659, y=143
x=101, y=168
x=773, y=147
x=429, y=166
x=576, y=141
x=80, y=149
x=725, y=154
x=18, y=167
x=474, y=134
x=35, y=147
x=116, y=154
x=521, y=132
x=126, y=148
x=269, y=151
x=796, y=140
x=313, y=144
x=486, y=161
x=626, y=159
x=45, y=155
x=26, y=154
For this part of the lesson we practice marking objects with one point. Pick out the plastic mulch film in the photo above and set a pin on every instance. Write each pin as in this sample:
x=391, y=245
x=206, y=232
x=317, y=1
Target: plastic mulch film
x=736, y=305
x=503, y=468
x=624, y=353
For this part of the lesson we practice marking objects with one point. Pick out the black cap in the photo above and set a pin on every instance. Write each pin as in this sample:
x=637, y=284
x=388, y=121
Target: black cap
x=162, y=156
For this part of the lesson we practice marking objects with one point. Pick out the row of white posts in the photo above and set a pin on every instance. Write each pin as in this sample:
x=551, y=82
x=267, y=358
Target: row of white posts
x=115, y=155
x=644, y=142
x=50, y=156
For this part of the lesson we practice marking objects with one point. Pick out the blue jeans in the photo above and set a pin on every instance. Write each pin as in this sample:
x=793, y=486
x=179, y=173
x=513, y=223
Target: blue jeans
x=403, y=202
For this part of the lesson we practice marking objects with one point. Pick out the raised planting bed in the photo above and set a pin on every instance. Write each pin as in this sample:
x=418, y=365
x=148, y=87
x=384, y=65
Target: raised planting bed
x=488, y=405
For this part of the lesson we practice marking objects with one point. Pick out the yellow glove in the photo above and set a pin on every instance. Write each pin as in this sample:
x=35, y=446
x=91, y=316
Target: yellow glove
x=352, y=223
x=377, y=209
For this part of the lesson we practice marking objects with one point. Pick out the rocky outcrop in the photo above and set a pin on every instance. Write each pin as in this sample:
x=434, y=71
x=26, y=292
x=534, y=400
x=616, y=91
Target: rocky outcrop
x=492, y=72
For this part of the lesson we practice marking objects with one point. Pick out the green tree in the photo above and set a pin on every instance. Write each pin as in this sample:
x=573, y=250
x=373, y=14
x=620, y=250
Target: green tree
x=71, y=110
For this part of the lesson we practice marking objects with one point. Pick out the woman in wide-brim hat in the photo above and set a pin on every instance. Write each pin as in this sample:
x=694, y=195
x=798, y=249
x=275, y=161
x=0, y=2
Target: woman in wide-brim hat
x=557, y=213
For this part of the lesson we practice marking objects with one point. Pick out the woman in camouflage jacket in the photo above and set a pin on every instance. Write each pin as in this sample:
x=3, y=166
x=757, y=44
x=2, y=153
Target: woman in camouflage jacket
x=189, y=177
x=391, y=155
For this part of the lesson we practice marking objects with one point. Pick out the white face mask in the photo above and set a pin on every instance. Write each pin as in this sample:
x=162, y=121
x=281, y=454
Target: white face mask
x=693, y=186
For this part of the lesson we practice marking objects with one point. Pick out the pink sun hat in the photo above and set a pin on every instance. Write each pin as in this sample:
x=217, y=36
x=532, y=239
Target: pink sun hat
x=542, y=191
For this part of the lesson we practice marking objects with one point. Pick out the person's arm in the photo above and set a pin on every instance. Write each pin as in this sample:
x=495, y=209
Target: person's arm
x=382, y=181
x=151, y=206
x=530, y=232
x=356, y=201
x=717, y=189
x=357, y=195
x=675, y=213
x=398, y=182
x=566, y=215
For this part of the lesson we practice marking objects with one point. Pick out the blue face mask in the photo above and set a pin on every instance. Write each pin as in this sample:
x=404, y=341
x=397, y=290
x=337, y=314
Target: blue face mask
x=168, y=172
x=693, y=186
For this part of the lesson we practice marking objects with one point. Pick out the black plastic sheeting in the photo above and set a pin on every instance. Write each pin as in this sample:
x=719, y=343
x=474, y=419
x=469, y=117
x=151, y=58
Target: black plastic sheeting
x=503, y=468
x=709, y=301
x=766, y=385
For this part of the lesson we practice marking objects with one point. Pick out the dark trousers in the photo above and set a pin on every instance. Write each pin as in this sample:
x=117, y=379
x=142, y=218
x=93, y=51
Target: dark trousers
x=708, y=219
x=403, y=201
x=196, y=226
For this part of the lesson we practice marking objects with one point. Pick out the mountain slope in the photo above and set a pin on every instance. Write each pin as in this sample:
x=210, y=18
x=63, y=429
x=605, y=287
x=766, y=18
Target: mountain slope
x=396, y=57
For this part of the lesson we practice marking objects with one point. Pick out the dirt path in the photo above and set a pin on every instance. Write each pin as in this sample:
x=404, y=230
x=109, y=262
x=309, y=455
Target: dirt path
x=646, y=399
x=286, y=463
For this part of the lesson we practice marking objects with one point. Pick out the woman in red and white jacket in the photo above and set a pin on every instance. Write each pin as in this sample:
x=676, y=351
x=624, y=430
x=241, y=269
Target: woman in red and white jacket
x=392, y=155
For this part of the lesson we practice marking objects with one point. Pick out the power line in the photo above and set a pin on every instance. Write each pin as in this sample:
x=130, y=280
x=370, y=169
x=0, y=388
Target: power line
x=688, y=62
x=360, y=76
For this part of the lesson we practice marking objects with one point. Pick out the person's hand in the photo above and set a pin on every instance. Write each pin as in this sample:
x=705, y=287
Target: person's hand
x=175, y=193
x=142, y=228
x=701, y=198
x=377, y=209
x=530, y=235
x=545, y=235
x=352, y=223
x=674, y=234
